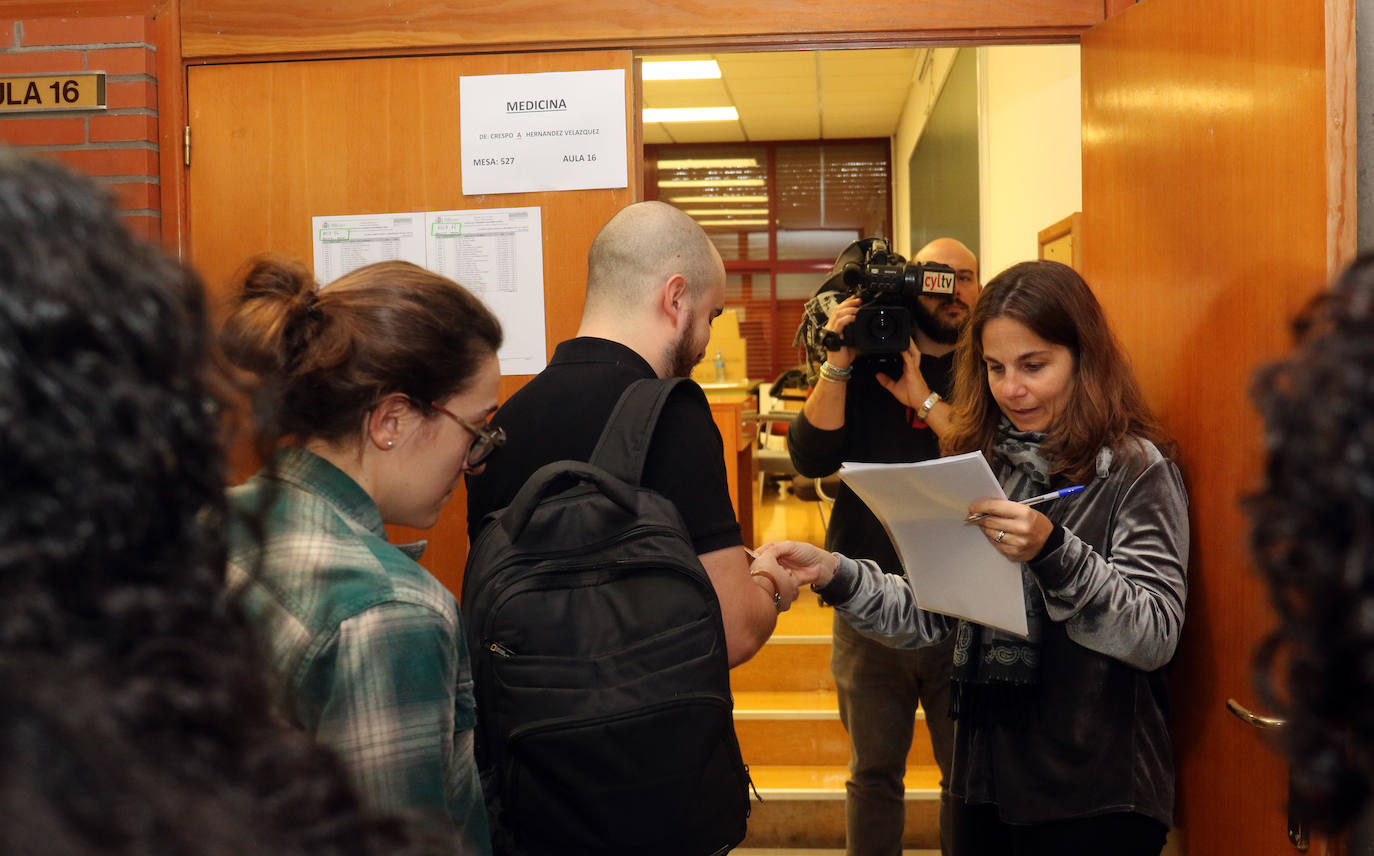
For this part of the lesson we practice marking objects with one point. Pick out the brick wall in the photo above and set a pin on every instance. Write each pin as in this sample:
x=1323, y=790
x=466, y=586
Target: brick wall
x=119, y=145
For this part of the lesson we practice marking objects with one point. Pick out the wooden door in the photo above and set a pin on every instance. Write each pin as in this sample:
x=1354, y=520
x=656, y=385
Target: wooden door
x=275, y=143
x=1206, y=166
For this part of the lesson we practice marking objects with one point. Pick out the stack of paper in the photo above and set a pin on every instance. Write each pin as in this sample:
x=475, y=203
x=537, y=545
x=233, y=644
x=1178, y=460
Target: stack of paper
x=952, y=567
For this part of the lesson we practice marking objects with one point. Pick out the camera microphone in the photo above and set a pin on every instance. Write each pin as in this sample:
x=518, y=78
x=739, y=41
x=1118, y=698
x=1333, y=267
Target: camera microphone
x=854, y=274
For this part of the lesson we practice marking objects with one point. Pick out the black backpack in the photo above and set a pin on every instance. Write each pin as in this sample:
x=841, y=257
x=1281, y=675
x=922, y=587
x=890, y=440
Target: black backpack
x=603, y=686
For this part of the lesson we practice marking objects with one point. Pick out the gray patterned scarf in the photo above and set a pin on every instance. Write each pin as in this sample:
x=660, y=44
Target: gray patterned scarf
x=994, y=671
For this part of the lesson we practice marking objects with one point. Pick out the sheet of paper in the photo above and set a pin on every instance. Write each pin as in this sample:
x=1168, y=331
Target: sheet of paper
x=524, y=133
x=349, y=241
x=952, y=567
x=497, y=254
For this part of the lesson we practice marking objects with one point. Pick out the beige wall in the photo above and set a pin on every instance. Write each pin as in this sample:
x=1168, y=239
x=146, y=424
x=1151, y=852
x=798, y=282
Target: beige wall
x=1030, y=124
x=1031, y=140
x=919, y=102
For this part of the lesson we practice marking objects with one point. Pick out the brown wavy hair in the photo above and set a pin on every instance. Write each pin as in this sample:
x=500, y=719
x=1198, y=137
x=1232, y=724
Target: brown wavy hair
x=1105, y=408
x=327, y=356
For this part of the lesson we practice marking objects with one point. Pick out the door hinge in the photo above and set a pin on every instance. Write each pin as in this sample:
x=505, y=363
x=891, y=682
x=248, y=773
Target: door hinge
x=186, y=145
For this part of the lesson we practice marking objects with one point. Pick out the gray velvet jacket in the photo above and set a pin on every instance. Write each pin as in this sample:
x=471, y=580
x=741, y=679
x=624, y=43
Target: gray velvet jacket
x=1094, y=737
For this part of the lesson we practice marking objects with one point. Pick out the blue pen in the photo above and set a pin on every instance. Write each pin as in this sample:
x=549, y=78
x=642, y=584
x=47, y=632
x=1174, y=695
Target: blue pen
x=1034, y=500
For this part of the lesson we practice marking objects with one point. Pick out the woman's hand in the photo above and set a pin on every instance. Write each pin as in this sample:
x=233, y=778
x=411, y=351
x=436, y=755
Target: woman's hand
x=1017, y=531
x=911, y=389
x=807, y=563
x=840, y=318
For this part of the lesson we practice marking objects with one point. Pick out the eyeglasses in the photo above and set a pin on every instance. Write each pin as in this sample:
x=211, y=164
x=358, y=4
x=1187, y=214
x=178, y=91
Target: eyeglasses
x=488, y=439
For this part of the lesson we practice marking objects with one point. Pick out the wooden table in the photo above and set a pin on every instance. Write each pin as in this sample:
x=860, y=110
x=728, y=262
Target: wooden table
x=733, y=410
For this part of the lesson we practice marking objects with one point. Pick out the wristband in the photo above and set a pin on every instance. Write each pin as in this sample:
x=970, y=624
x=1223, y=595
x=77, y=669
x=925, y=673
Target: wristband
x=777, y=595
x=833, y=374
x=924, y=410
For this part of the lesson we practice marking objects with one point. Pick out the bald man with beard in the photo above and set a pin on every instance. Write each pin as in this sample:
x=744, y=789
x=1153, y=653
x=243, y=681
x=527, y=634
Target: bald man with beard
x=655, y=283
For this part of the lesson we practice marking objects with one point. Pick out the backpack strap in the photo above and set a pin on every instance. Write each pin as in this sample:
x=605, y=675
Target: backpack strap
x=624, y=443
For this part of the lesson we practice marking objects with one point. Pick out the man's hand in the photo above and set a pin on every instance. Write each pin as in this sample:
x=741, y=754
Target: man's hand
x=806, y=563
x=912, y=389
x=840, y=318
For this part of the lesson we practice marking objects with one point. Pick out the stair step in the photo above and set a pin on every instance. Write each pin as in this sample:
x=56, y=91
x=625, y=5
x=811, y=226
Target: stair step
x=803, y=808
x=779, y=704
x=792, y=727
x=826, y=782
x=792, y=664
x=783, y=704
x=788, y=851
x=806, y=618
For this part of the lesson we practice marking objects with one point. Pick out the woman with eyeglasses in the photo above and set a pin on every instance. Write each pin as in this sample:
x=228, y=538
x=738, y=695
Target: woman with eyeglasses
x=376, y=391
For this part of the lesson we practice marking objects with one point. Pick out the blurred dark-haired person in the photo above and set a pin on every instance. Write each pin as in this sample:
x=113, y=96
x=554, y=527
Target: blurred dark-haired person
x=380, y=387
x=1061, y=742
x=1313, y=540
x=134, y=718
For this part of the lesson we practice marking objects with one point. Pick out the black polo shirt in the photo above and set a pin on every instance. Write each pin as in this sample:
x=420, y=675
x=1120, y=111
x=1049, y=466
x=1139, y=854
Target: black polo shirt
x=560, y=413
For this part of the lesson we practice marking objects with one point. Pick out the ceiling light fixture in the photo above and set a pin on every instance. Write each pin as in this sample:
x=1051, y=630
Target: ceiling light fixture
x=690, y=114
x=710, y=182
x=726, y=198
x=697, y=69
x=708, y=163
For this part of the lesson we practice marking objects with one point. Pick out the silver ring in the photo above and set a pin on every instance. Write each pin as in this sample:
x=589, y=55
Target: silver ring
x=1000, y=536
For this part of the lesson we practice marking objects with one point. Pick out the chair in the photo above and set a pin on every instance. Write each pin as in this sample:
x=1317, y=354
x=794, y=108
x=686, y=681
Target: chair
x=772, y=461
x=818, y=490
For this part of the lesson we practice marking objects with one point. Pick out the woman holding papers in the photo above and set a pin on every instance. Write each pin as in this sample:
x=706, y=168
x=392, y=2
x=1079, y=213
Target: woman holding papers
x=1062, y=745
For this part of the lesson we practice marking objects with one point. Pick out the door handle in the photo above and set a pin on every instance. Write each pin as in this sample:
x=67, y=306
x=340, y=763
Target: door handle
x=1265, y=722
x=1297, y=824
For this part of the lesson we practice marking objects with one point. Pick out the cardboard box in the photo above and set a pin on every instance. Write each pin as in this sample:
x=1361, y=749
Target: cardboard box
x=726, y=341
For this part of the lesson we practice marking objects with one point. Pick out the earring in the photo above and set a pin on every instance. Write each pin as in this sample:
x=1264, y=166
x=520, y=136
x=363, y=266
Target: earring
x=390, y=443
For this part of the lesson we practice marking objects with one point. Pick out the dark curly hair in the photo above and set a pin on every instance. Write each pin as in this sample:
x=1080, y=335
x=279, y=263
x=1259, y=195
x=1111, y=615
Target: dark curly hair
x=1313, y=539
x=134, y=717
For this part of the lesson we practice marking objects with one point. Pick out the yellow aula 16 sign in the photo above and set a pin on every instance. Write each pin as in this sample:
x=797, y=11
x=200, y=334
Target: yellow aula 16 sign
x=83, y=90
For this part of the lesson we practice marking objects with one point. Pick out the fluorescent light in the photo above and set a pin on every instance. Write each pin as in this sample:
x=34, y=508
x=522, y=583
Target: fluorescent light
x=711, y=182
x=732, y=222
x=726, y=198
x=690, y=114
x=699, y=69
x=720, y=212
x=708, y=163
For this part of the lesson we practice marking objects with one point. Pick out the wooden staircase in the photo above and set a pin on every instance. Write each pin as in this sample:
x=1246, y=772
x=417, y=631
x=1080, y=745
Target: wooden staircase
x=791, y=736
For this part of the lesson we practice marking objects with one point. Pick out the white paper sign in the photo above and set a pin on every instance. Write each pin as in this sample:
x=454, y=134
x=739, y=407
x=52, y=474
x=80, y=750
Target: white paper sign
x=496, y=253
x=525, y=133
x=350, y=241
x=952, y=567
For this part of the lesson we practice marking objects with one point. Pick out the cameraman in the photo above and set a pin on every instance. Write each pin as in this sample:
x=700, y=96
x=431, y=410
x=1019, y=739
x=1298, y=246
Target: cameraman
x=858, y=412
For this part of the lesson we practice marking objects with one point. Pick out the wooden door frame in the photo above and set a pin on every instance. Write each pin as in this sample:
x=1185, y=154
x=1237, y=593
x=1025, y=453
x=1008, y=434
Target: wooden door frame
x=924, y=25
x=1342, y=144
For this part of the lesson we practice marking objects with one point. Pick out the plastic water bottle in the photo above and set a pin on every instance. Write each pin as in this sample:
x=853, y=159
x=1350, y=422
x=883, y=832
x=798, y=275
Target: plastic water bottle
x=720, y=367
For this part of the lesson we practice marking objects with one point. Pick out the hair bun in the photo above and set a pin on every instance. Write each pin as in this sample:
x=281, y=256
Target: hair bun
x=277, y=278
x=273, y=314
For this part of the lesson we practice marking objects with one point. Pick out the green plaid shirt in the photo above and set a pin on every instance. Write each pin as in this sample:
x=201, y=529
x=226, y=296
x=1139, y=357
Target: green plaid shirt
x=365, y=646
